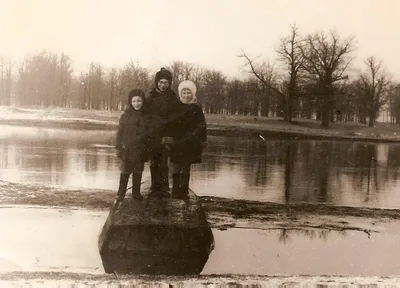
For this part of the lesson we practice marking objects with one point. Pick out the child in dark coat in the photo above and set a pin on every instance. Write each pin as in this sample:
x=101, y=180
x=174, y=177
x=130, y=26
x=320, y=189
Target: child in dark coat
x=161, y=102
x=189, y=138
x=132, y=143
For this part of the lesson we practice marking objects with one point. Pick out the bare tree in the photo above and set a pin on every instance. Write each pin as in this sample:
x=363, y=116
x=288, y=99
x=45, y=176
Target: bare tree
x=326, y=60
x=92, y=83
x=6, y=80
x=393, y=94
x=180, y=71
x=132, y=76
x=34, y=81
x=45, y=79
x=289, y=53
x=112, y=83
x=395, y=108
x=65, y=79
x=83, y=97
x=98, y=86
x=347, y=101
x=214, y=91
x=197, y=75
x=376, y=87
x=266, y=74
x=235, y=94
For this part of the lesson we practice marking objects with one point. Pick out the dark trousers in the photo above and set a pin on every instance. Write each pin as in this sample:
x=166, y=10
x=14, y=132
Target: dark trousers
x=159, y=169
x=180, y=180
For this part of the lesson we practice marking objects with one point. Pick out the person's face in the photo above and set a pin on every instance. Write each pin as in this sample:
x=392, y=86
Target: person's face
x=137, y=102
x=187, y=95
x=163, y=85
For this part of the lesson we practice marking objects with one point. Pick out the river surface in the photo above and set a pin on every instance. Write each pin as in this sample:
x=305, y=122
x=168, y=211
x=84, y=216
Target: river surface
x=65, y=240
x=282, y=171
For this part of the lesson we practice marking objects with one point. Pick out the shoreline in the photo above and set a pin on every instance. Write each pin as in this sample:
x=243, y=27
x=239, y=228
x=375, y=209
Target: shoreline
x=204, y=280
x=222, y=213
x=225, y=130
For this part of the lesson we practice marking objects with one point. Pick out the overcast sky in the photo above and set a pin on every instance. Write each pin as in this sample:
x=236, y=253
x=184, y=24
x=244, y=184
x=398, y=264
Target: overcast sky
x=209, y=33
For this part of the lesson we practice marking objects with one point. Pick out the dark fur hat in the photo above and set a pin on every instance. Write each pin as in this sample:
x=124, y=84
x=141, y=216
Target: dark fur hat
x=164, y=74
x=133, y=93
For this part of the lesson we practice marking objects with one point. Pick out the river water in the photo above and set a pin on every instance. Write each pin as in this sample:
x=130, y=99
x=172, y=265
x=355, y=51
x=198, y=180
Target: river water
x=276, y=170
x=282, y=171
x=65, y=240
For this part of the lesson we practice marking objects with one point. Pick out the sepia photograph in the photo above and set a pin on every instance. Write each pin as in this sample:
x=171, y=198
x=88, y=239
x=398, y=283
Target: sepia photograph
x=215, y=143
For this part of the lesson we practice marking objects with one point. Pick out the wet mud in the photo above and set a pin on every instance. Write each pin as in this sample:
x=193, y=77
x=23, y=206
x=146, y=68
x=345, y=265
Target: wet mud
x=222, y=213
x=227, y=214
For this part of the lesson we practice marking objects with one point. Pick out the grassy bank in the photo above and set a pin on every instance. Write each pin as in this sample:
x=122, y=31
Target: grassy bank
x=223, y=125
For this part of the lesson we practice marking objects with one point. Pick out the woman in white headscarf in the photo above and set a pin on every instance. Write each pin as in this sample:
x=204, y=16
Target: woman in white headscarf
x=190, y=135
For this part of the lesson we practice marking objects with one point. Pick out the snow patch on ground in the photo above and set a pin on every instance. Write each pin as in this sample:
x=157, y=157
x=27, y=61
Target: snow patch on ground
x=46, y=114
x=25, y=113
x=90, y=280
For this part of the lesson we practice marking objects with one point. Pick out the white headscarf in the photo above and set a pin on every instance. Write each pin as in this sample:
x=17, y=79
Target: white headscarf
x=192, y=87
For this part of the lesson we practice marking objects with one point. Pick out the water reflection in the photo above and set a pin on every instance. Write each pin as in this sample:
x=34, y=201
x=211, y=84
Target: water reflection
x=66, y=241
x=342, y=173
x=286, y=235
x=339, y=173
x=285, y=252
x=155, y=239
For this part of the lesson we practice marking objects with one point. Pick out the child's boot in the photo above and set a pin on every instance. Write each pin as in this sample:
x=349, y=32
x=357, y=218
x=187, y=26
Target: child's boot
x=184, y=190
x=164, y=183
x=123, y=184
x=136, y=183
x=176, y=185
x=154, y=176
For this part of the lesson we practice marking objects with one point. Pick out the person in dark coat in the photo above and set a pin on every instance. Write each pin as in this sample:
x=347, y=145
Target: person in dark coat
x=161, y=102
x=132, y=141
x=190, y=137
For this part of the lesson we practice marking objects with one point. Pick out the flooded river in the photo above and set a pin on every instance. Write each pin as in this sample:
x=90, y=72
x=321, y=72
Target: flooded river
x=282, y=171
x=66, y=241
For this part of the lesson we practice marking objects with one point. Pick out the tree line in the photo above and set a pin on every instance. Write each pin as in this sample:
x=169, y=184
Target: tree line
x=309, y=80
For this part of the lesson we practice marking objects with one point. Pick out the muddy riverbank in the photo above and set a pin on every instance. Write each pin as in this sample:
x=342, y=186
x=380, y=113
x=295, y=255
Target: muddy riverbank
x=222, y=213
x=306, y=232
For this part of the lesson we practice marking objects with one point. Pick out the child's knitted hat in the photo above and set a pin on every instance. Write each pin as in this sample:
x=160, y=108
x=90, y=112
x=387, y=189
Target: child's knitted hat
x=188, y=85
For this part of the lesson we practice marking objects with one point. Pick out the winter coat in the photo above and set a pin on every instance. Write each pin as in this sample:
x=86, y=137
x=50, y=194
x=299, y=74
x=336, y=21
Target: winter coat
x=189, y=134
x=160, y=107
x=134, y=135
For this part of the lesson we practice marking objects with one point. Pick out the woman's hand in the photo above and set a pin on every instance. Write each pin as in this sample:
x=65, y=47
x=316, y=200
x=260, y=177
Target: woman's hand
x=167, y=140
x=120, y=153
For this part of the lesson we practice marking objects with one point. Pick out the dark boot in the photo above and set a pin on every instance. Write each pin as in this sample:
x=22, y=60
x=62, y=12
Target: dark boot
x=154, y=171
x=155, y=189
x=184, y=190
x=136, y=183
x=123, y=184
x=164, y=181
x=161, y=185
x=176, y=184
